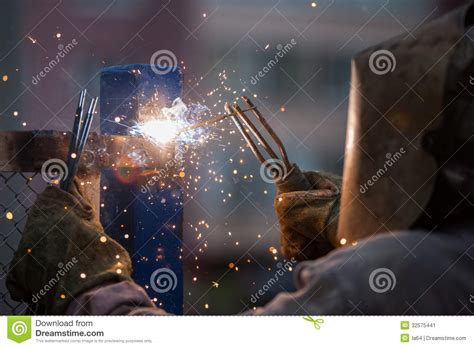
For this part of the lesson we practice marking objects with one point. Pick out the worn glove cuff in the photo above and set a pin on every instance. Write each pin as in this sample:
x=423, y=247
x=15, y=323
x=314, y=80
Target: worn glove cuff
x=63, y=252
x=308, y=218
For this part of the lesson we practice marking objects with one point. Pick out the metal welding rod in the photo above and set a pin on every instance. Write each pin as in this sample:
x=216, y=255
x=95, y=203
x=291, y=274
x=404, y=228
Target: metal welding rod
x=82, y=137
x=208, y=122
x=76, y=128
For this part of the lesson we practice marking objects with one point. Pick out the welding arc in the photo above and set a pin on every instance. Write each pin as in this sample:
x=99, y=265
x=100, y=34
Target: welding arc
x=80, y=132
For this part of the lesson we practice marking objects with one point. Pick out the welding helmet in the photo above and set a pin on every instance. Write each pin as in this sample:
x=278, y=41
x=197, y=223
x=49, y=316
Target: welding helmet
x=410, y=110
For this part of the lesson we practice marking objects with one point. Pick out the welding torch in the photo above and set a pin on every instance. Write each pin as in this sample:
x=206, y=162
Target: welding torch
x=276, y=166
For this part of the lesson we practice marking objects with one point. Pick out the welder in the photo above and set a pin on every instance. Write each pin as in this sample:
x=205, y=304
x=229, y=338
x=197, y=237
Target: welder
x=395, y=235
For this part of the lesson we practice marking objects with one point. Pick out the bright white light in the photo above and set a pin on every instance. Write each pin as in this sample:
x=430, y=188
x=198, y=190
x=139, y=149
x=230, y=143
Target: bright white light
x=166, y=124
x=160, y=131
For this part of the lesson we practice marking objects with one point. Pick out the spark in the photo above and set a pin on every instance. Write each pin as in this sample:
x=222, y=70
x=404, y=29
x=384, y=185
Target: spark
x=272, y=250
x=9, y=215
x=215, y=284
x=164, y=125
x=5, y=78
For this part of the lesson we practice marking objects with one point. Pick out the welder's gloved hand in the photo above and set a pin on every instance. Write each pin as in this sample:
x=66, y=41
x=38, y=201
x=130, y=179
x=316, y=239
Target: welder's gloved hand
x=63, y=252
x=307, y=206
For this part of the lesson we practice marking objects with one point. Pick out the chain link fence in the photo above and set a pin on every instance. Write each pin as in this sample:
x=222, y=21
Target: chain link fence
x=17, y=193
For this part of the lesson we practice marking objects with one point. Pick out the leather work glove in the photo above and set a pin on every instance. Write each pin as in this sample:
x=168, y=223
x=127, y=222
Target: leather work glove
x=63, y=252
x=307, y=206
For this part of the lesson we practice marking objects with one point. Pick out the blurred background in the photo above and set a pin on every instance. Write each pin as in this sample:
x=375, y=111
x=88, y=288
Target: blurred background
x=231, y=236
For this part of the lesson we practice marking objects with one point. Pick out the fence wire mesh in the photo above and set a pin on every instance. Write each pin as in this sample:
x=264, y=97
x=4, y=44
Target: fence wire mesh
x=17, y=193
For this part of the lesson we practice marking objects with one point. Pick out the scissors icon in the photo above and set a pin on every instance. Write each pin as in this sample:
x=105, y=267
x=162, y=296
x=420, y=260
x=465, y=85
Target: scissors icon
x=471, y=80
x=471, y=298
x=316, y=322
